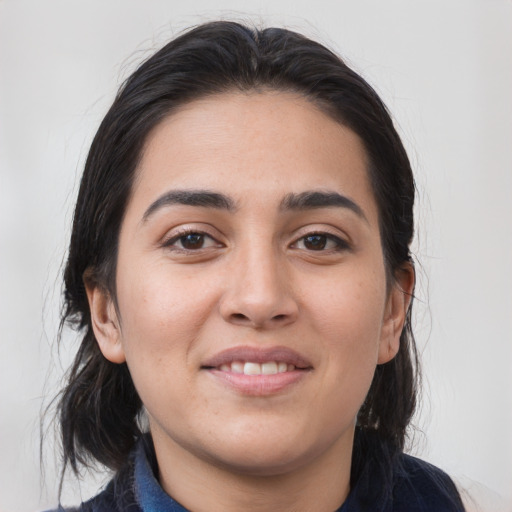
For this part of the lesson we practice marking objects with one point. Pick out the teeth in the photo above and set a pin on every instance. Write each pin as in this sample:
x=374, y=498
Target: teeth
x=237, y=367
x=269, y=368
x=250, y=368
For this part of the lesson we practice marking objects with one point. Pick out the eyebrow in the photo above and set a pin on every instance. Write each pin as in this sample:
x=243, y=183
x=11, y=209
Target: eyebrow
x=312, y=199
x=202, y=198
x=308, y=200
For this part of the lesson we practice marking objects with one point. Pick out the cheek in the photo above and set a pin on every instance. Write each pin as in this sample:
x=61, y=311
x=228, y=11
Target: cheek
x=155, y=332
x=165, y=314
x=349, y=319
x=350, y=306
x=159, y=319
x=156, y=302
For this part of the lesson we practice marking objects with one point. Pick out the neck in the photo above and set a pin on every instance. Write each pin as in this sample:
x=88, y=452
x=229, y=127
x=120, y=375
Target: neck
x=322, y=484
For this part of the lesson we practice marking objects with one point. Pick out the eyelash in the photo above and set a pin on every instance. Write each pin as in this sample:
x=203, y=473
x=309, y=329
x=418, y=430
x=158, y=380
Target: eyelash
x=182, y=234
x=339, y=243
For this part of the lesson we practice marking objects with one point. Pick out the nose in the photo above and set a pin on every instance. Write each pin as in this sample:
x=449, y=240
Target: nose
x=259, y=292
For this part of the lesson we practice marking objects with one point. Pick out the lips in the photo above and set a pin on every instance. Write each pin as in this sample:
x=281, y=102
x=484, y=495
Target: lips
x=257, y=356
x=258, y=371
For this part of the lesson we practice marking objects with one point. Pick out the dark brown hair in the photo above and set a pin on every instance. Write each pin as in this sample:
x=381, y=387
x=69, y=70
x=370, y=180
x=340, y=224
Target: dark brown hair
x=99, y=406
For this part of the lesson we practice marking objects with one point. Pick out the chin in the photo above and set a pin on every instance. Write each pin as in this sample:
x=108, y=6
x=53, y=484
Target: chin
x=269, y=450
x=262, y=461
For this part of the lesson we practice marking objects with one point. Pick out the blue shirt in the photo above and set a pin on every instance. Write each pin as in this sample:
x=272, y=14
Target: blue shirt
x=416, y=486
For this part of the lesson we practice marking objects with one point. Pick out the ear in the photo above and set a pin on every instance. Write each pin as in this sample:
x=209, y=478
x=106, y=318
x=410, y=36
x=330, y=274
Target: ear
x=397, y=305
x=105, y=322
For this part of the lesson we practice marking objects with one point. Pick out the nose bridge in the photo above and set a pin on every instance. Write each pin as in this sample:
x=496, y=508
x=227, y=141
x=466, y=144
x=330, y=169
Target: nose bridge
x=259, y=291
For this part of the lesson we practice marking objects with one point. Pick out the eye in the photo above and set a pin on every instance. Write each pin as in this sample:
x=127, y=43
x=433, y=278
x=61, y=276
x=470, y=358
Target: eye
x=321, y=242
x=191, y=241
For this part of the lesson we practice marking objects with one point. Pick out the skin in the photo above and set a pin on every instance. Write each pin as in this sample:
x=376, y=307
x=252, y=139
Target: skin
x=255, y=279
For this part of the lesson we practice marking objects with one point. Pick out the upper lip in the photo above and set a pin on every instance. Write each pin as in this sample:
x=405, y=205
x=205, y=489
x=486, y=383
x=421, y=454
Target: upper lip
x=257, y=355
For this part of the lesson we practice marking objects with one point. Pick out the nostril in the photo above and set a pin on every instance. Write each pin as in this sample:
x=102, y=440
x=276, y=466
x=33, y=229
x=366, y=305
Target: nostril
x=279, y=317
x=238, y=316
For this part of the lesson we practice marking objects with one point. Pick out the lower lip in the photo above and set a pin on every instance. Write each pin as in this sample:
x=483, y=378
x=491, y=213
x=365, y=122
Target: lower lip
x=259, y=385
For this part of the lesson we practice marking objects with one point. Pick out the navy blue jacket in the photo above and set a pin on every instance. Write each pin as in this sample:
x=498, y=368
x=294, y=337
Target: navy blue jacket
x=413, y=486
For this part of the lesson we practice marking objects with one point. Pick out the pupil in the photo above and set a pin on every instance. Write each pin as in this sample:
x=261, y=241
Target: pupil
x=315, y=242
x=192, y=241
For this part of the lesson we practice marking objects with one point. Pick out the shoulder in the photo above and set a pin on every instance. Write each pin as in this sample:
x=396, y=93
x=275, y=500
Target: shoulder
x=423, y=487
x=117, y=496
x=404, y=484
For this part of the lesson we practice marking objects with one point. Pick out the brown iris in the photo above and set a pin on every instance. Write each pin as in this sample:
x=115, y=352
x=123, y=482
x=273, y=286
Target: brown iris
x=315, y=242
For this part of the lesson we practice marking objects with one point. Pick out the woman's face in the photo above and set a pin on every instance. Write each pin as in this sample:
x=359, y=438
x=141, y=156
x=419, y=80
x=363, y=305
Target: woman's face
x=252, y=299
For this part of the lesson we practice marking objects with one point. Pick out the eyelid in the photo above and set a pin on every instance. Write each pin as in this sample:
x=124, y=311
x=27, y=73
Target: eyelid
x=342, y=241
x=175, y=234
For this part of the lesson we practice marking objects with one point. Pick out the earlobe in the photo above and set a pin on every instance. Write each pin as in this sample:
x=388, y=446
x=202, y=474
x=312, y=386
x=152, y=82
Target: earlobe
x=395, y=316
x=105, y=322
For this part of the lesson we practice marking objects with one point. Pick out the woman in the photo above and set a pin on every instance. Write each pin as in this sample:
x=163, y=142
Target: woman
x=239, y=269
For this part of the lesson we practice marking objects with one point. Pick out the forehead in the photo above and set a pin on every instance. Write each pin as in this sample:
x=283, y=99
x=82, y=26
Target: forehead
x=253, y=145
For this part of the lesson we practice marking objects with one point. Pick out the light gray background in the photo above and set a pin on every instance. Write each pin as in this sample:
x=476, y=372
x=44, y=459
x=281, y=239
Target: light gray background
x=444, y=68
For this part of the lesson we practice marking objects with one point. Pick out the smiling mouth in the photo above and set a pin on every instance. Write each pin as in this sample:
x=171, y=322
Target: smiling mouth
x=257, y=371
x=254, y=368
x=249, y=360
